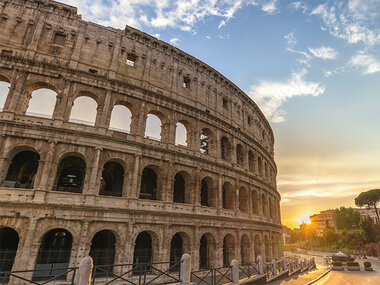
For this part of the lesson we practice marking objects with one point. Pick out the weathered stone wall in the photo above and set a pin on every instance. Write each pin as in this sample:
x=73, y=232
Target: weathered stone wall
x=87, y=59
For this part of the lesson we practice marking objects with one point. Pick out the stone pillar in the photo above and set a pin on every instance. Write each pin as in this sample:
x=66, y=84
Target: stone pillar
x=260, y=264
x=29, y=249
x=61, y=103
x=4, y=159
x=274, y=267
x=197, y=187
x=83, y=242
x=33, y=45
x=220, y=192
x=185, y=273
x=168, y=185
x=94, y=173
x=235, y=271
x=84, y=271
x=135, y=185
x=15, y=92
x=103, y=114
x=42, y=185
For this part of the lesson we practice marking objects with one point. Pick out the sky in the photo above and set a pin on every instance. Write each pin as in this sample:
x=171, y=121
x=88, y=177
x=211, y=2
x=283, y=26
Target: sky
x=313, y=67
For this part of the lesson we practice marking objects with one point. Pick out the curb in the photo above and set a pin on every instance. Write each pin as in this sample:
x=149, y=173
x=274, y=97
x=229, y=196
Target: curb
x=319, y=277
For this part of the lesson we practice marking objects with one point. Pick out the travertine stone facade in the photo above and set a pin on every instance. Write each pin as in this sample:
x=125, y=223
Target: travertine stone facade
x=45, y=44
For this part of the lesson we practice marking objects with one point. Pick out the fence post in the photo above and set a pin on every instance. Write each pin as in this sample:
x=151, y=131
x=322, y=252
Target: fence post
x=185, y=273
x=291, y=266
x=235, y=271
x=84, y=271
x=283, y=261
x=313, y=262
x=274, y=267
x=260, y=262
x=297, y=265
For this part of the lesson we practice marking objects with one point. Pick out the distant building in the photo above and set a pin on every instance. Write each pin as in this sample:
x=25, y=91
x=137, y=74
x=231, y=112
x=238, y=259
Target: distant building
x=323, y=220
x=286, y=234
x=368, y=212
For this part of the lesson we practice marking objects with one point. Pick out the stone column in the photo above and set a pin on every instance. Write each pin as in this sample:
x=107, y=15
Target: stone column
x=83, y=242
x=42, y=185
x=61, y=104
x=220, y=192
x=29, y=249
x=168, y=183
x=15, y=92
x=94, y=173
x=4, y=160
x=196, y=199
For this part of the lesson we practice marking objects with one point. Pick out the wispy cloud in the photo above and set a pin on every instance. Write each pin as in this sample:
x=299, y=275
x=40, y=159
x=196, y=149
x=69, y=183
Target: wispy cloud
x=324, y=52
x=368, y=63
x=174, y=41
x=270, y=7
x=290, y=39
x=270, y=95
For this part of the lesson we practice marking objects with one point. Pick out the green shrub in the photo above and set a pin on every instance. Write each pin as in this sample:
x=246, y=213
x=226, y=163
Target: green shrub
x=367, y=264
x=337, y=263
x=352, y=263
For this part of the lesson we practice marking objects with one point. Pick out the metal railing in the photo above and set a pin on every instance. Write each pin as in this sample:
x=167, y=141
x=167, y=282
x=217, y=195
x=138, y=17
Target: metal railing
x=248, y=270
x=214, y=276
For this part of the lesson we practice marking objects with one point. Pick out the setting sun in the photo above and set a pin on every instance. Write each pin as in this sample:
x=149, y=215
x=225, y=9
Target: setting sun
x=304, y=219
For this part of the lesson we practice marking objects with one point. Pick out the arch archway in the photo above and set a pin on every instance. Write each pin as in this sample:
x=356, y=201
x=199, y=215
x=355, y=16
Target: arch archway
x=240, y=155
x=228, y=196
x=243, y=199
x=54, y=254
x=206, y=141
x=176, y=251
x=225, y=149
x=208, y=193
x=149, y=183
x=70, y=175
x=264, y=204
x=143, y=252
x=84, y=110
x=42, y=103
x=245, y=249
x=257, y=246
x=251, y=161
x=228, y=249
x=268, y=255
x=102, y=251
x=181, y=134
x=179, y=193
x=121, y=119
x=207, y=249
x=255, y=202
x=111, y=183
x=22, y=170
x=9, y=240
x=153, y=127
x=4, y=90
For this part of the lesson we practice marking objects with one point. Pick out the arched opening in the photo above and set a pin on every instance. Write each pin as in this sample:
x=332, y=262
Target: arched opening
x=207, y=251
x=268, y=256
x=54, y=254
x=143, y=252
x=181, y=134
x=228, y=250
x=179, y=189
x=265, y=168
x=208, y=193
x=153, y=127
x=225, y=149
x=70, y=175
x=102, y=251
x=243, y=199
x=22, y=170
x=274, y=248
x=228, y=196
x=258, y=246
x=245, y=250
x=264, y=204
x=255, y=203
x=4, y=90
x=8, y=248
x=121, y=118
x=260, y=166
x=206, y=141
x=251, y=161
x=84, y=111
x=148, y=188
x=239, y=155
x=42, y=103
x=111, y=182
x=270, y=206
x=176, y=251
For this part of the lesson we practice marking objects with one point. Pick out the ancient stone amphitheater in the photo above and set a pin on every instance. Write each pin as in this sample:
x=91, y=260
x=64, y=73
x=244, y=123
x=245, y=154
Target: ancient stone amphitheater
x=70, y=188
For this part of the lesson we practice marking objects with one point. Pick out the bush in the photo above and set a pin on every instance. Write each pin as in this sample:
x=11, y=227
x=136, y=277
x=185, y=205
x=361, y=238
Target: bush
x=337, y=263
x=352, y=263
x=367, y=264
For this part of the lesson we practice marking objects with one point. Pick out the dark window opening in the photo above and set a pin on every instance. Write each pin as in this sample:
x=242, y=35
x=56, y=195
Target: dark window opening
x=251, y=161
x=59, y=39
x=204, y=193
x=143, y=253
x=8, y=248
x=176, y=251
x=131, y=60
x=111, y=183
x=148, y=184
x=228, y=197
x=102, y=251
x=228, y=250
x=204, y=142
x=225, y=103
x=186, y=82
x=54, y=254
x=204, y=254
x=239, y=155
x=179, y=189
x=22, y=170
x=245, y=249
x=249, y=119
x=225, y=148
x=71, y=172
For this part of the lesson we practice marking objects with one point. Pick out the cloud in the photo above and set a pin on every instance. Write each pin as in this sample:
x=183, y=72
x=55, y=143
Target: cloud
x=299, y=5
x=270, y=7
x=208, y=37
x=221, y=24
x=368, y=63
x=290, y=39
x=270, y=95
x=174, y=41
x=324, y=53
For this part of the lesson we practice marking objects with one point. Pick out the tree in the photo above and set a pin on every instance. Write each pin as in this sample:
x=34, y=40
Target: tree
x=346, y=218
x=369, y=198
x=330, y=236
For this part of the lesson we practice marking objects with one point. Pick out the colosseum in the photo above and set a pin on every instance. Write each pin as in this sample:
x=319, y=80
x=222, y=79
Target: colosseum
x=72, y=188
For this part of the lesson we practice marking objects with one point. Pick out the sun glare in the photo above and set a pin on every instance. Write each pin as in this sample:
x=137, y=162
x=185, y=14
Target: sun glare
x=304, y=219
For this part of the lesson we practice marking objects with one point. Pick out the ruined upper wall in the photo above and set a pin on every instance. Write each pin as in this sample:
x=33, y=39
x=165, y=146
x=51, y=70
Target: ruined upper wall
x=49, y=31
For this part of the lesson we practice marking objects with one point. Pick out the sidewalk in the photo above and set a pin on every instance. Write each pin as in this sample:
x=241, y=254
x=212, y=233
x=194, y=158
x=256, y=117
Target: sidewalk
x=301, y=279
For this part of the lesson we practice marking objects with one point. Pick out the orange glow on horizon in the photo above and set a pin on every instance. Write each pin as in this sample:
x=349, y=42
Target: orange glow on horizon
x=304, y=219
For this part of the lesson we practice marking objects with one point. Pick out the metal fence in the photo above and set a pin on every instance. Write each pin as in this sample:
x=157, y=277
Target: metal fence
x=213, y=276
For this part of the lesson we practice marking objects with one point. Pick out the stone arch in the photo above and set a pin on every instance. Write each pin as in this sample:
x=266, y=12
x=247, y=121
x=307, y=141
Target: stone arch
x=179, y=244
x=121, y=117
x=182, y=187
x=112, y=180
x=255, y=202
x=146, y=247
x=228, y=196
x=207, y=251
x=183, y=133
x=268, y=255
x=9, y=240
x=260, y=166
x=208, y=192
x=150, y=184
x=207, y=141
x=155, y=125
x=22, y=168
x=245, y=249
x=274, y=248
x=102, y=251
x=228, y=249
x=258, y=246
x=251, y=161
x=243, y=199
x=240, y=155
x=41, y=99
x=264, y=206
x=270, y=207
x=225, y=148
x=54, y=252
x=5, y=84
x=86, y=110
x=70, y=173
